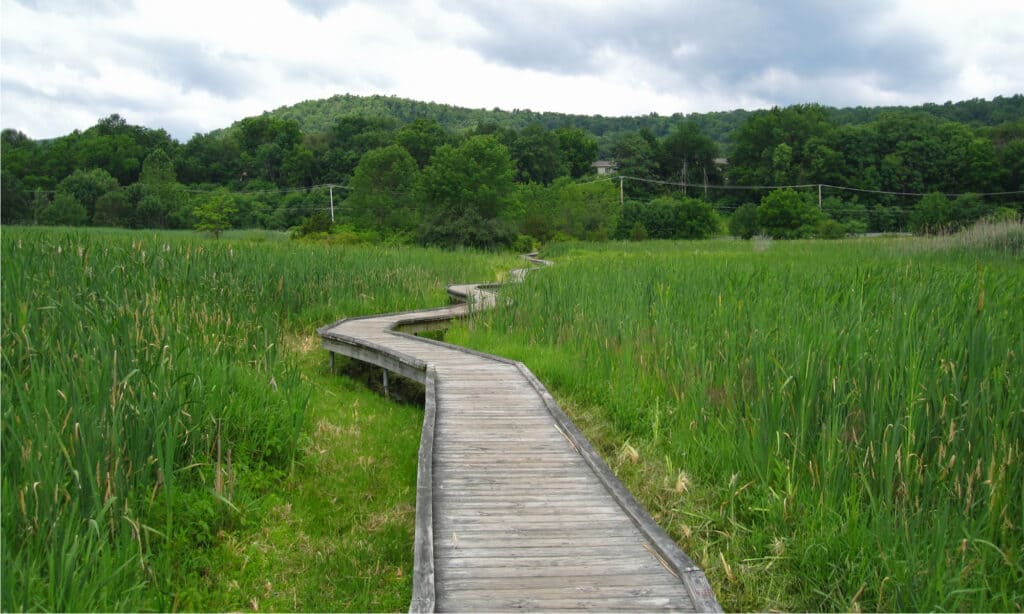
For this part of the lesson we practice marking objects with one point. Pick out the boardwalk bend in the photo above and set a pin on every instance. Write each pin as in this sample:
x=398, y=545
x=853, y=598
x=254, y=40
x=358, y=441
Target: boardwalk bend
x=514, y=508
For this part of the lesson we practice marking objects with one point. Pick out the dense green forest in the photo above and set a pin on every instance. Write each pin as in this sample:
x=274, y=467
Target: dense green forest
x=387, y=168
x=320, y=115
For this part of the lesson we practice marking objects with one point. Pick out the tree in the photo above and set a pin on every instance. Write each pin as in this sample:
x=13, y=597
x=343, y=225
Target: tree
x=538, y=155
x=160, y=201
x=214, y=215
x=758, y=159
x=298, y=167
x=785, y=214
x=382, y=190
x=932, y=214
x=465, y=192
x=636, y=156
x=87, y=187
x=421, y=138
x=743, y=222
x=112, y=209
x=697, y=219
x=688, y=155
x=579, y=150
x=65, y=210
x=14, y=202
x=588, y=210
x=638, y=232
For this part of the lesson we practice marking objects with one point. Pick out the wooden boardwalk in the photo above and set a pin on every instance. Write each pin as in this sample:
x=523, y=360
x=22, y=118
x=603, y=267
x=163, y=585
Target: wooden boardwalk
x=514, y=509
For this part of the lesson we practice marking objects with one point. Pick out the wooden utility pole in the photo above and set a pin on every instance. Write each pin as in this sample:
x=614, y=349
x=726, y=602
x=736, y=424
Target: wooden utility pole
x=622, y=201
x=331, y=188
x=819, y=197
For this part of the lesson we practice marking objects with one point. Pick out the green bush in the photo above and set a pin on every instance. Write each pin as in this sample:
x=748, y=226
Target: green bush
x=830, y=229
x=743, y=222
x=785, y=214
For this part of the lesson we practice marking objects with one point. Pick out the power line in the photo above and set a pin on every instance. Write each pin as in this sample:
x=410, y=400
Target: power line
x=683, y=184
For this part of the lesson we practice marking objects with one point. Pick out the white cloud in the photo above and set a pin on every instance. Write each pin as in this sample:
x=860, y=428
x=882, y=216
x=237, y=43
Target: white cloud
x=197, y=65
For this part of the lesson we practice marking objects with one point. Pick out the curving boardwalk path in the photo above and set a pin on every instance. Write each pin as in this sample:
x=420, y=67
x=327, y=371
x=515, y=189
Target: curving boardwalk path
x=514, y=509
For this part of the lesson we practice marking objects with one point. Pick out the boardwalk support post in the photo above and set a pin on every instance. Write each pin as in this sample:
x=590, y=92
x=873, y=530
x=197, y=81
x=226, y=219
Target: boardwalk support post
x=386, y=392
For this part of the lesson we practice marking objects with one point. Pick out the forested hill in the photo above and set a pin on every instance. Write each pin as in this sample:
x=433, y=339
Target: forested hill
x=322, y=115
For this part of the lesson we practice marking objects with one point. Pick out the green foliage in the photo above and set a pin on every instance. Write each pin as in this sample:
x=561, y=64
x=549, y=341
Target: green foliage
x=637, y=156
x=669, y=217
x=771, y=146
x=806, y=462
x=697, y=219
x=16, y=204
x=687, y=154
x=421, y=138
x=743, y=222
x=112, y=209
x=588, y=210
x=156, y=413
x=927, y=148
x=933, y=214
x=64, y=210
x=381, y=196
x=214, y=215
x=578, y=151
x=638, y=232
x=524, y=244
x=830, y=229
x=318, y=222
x=87, y=187
x=538, y=155
x=786, y=214
x=850, y=213
x=465, y=192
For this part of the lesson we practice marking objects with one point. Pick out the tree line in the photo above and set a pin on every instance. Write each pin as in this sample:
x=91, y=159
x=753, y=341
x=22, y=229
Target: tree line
x=494, y=185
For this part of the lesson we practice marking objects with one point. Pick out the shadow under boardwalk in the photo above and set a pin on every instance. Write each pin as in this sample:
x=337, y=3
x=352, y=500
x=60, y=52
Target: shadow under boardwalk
x=515, y=510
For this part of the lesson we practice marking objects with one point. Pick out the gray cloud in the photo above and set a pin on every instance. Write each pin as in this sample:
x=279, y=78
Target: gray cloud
x=191, y=66
x=731, y=43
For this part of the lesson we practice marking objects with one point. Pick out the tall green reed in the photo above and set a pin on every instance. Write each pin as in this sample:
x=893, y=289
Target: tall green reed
x=854, y=406
x=147, y=399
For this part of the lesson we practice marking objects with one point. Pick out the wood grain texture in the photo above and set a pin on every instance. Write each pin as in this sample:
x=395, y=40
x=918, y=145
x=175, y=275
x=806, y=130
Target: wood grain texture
x=515, y=510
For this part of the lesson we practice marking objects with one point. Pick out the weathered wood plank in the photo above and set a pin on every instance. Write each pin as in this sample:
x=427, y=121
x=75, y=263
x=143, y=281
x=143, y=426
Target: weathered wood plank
x=518, y=512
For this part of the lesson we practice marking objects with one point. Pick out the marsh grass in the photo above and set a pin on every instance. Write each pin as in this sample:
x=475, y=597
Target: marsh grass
x=822, y=426
x=152, y=398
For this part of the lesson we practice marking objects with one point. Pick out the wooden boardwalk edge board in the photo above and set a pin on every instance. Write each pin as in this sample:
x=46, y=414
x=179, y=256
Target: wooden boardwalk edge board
x=423, y=553
x=664, y=549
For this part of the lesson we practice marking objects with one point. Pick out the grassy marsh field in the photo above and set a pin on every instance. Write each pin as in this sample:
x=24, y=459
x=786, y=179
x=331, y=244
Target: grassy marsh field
x=171, y=437
x=821, y=425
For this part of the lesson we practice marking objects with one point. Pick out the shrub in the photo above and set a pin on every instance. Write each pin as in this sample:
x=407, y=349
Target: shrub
x=318, y=222
x=830, y=229
x=697, y=219
x=786, y=214
x=743, y=222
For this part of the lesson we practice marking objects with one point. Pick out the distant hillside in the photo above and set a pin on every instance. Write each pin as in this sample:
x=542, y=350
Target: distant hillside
x=320, y=115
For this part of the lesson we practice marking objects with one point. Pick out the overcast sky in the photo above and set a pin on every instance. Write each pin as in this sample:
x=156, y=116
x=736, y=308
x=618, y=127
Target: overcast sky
x=196, y=65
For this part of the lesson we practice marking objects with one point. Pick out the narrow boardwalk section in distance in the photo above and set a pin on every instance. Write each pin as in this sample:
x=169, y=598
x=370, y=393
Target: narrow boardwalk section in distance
x=515, y=510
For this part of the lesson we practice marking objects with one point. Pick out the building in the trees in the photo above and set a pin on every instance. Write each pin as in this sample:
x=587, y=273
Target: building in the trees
x=605, y=167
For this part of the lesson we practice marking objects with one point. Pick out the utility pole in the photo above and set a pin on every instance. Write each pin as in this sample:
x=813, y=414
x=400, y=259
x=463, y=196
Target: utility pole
x=686, y=174
x=622, y=202
x=819, y=197
x=331, y=188
x=703, y=168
